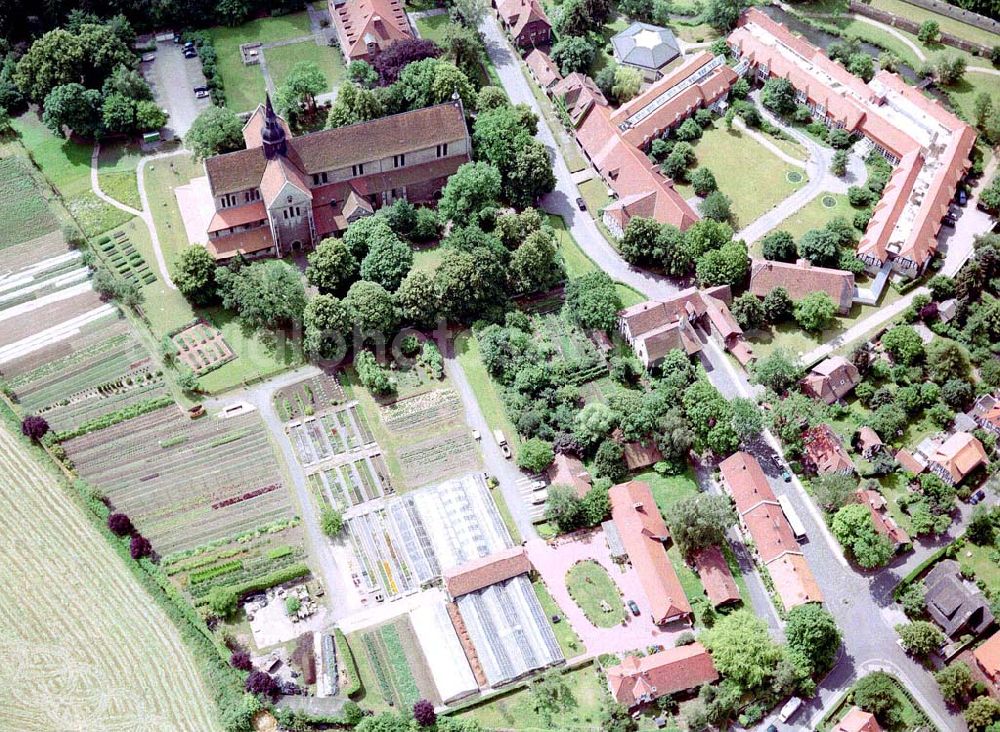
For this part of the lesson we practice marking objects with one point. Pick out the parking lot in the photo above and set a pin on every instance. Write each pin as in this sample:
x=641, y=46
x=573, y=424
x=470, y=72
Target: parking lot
x=173, y=79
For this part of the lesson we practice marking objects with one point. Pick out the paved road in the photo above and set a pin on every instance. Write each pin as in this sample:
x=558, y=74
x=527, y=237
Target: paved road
x=858, y=601
x=505, y=471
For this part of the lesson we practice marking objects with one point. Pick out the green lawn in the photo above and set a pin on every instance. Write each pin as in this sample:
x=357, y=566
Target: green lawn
x=595, y=193
x=983, y=563
x=23, y=206
x=569, y=641
x=668, y=489
x=911, y=715
x=280, y=61
x=245, y=84
x=946, y=23
x=592, y=589
x=746, y=171
x=427, y=259
x=260, y=354
x=432, y=27
x=117, y=163
x=581, y=711
x=66, y=166
x=467, y=352
x=816, y=214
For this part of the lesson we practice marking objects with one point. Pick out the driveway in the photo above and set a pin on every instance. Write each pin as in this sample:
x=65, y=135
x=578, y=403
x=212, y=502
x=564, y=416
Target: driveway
x=173, y=79
x=554, y=560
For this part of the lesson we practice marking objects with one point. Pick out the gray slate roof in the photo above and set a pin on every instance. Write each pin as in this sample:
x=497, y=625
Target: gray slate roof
x=644, y=45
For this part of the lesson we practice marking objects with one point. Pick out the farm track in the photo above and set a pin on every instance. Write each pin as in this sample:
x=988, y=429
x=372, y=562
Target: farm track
x=84, y=646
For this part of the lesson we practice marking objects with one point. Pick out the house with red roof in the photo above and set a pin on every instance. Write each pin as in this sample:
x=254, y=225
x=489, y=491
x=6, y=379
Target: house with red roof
x=637, y=681
x=644, y=534
x=366, y=27
x=928, y=146
x=823, y=452
x=956, y=457
x=525, y=21
x=987, y=658
x=762, y=518
x=497, y=567
x=283, y=194
x=568, y=470
x=857, y=720
x=986, y=413
x=801, y=278
x=885, y=524
x=716, y=577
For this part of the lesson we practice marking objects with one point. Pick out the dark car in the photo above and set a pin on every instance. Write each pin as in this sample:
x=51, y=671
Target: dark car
x=961, y=197
x=581, y=204
x=976, y=497
x=633, y=607
x=200, y=89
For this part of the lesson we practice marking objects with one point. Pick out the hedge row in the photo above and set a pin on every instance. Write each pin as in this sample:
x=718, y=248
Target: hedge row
x=350, y=665
x=100, y=423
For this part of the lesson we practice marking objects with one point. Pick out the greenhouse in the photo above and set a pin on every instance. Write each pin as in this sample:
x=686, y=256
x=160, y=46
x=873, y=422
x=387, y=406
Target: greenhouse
x=441, y=647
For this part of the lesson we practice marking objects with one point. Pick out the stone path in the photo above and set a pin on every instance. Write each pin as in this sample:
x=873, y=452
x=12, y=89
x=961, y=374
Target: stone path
x=144, y=214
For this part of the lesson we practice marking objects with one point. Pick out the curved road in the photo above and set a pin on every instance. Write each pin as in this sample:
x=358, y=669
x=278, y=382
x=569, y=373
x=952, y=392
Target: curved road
x=860, y=603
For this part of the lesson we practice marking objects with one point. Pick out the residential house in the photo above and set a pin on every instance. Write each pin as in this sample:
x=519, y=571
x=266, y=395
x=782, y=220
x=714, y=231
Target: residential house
x=987, y=658
x=638, y=454
x=614, y=140
x=716, y=577
x=800, y=279
x=954, y=603
x=869, y=443
x=857, y=720
x=525, y=21
x=885, y=524
x=568, y=470
x=579, y=94
x=831, y=380
x=485, y=571
x=911, y=462
x=643, y=534
x=986, y=413
x=824, y=453
x=543, y=69
x=762, y=518
x=366, y=27
x=648, y=48
x=283, y=194
x=928, y=146
x=956, y=457
x=654, y=328
x=636, y=681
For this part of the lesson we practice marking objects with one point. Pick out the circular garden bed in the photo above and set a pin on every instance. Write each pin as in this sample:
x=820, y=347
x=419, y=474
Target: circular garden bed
x=829, y=201
x=592, y=588
x=793, y=176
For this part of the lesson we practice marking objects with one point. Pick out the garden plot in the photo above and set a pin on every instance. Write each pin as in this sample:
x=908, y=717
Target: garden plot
x=185, y=483
x=201, y=347
x=558, y=338
x=45, y=300
x=121, y=256
x=246, y=560
x=351, y=483
x=421, y=411
x=23, y=208
x=105, y=371
x=407, y=541
x=451, y=453
x=317, y=439
x=509, y=630
x=308, y=397
x=393, y=665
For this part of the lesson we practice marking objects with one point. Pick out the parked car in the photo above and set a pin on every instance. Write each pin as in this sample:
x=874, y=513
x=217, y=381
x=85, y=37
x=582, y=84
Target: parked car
x=786, y=476
x=476, y=436
x=976, y=497
x=200, y=89
x=190, y=53
x=202, y=95
x=961, y=197
x=581, y=204
x=177, y=37
x=633, y=607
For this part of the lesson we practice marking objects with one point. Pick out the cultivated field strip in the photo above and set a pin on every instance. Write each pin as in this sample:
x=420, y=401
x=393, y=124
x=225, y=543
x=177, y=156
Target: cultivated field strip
x=185, y=483
x=84, y=646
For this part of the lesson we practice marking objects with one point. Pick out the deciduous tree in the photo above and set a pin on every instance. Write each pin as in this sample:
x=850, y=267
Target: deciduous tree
x=214, y=131
x=812, y=631
x=855, y=530
x=815, y=311
x=700, y=521
x=194, y=275
x=742, y=649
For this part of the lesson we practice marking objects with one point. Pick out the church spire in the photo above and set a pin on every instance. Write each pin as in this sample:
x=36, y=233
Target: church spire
x=273, y=134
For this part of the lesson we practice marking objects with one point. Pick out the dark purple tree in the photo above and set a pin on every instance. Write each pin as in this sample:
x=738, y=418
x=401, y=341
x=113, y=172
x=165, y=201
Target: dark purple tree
x=34, y=427
x=423, y=712
x=120, y=524
x=139, y=547
x=241, y=660
x=391, y=61
x=262, y=683
x=929, y=311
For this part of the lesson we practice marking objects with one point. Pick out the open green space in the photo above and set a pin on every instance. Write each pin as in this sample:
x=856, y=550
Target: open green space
x=467, y=352
x=245, y=84
x=23, y=208
x=580, y=711
x=432, y=27
x=569, y=641
x=281, y=59
x=751, y=175
x=983, y=563
x=116, y=165
x=945, y=22
x=427, y=258
x=66, y=166
x=816, y=214
x=592, y=588
x=668, y=489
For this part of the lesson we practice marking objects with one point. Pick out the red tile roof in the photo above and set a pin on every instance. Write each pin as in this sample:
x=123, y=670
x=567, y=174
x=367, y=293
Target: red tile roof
x=716, y=577
x=960, y=455
x=567, y=470
x=988, y=657
x=360, y=22
x=486, y=571
x=884, y=523
x=643, y=532
x=746, y=481
x=246, y=242
x=517, y=14
x=800, y=279
x=824, y=450
x=793, y=580
x=638, y=680
x=909, y=463
x=543, y=67
x=770, y=530
x=857, y=720
x=230, y=217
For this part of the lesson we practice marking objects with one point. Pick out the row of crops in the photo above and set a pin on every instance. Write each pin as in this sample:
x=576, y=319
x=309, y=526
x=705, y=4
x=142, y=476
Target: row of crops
x=201, y=347
x=317, y=439
x=311, y=396
x=422, y=410
x=222, y=479
x=390, y=663
x=121, y=255
x=352, y=483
